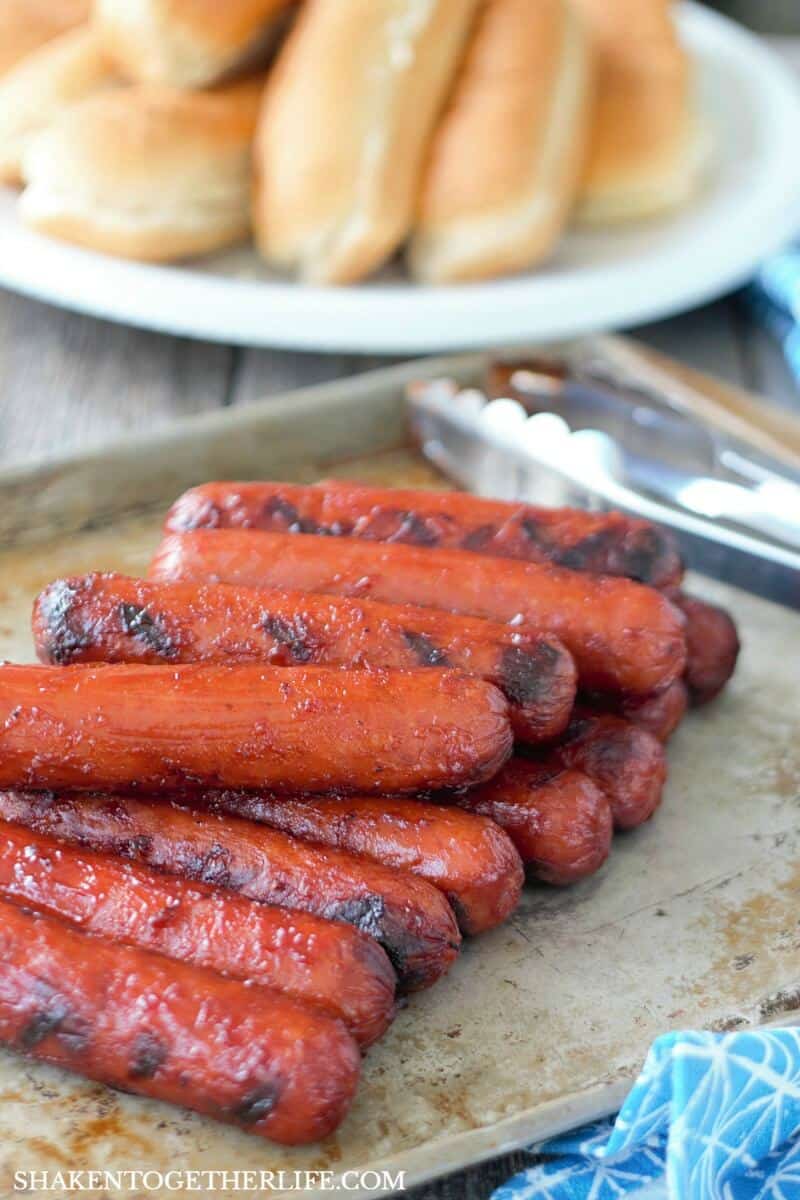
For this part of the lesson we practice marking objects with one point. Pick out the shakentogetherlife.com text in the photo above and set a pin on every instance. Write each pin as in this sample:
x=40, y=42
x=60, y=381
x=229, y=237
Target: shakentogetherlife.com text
x=206, y=1183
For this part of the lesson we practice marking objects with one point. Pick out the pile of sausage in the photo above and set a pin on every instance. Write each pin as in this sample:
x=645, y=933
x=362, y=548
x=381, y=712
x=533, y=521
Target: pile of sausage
x=247, y=802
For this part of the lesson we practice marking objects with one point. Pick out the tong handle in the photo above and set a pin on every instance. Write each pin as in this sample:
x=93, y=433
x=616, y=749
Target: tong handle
x=729, y=410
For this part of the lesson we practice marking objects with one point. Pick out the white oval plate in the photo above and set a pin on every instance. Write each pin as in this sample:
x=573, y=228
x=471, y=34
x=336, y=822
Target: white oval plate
x=750, y=204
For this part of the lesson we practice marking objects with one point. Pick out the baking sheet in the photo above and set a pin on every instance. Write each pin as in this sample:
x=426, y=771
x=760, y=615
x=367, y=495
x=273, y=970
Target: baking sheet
x=541, y=1024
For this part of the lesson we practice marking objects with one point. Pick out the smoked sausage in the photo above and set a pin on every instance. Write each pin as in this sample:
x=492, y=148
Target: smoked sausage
x=660, y=714
x=627, y=762
x=467, y=857
x=603, y=543
x=559, y=820
x=110, y=618
x=409, y=917
x=325, y=963
x=175, y=1032
x=712, y=647
x=291, y=729
x=624, y=637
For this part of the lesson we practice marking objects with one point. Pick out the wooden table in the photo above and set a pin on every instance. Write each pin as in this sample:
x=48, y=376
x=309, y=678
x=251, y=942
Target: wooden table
x=68, y=382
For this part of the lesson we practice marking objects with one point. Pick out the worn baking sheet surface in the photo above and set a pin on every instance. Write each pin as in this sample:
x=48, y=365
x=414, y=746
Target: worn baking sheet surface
x=693, y=923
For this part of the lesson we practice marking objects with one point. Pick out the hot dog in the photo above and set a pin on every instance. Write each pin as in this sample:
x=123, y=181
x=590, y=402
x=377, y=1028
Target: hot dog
x=660, y=714
x=603, y=543
x=175, y=1032
x=325, y=963
x=292, y=729
x=408, y=916
x=624, y=637
x=712, y=645
x=468, y=858
x=110, y=618
x=559, y=820
x=624, y=760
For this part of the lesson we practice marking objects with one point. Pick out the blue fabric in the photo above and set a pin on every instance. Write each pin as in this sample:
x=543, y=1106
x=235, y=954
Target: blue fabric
x=774, y=299
x=715, y=1115
x=779, y=280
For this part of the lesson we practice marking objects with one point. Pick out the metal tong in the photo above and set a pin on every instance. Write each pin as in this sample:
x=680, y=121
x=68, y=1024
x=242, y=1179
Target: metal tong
x=547, y=432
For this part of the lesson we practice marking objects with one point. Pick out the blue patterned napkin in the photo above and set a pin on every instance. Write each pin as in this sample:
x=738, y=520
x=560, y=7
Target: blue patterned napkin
x=774, y=299
x=715, y=1116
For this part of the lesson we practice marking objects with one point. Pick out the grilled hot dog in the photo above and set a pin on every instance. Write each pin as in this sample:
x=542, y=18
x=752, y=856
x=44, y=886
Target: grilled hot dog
x=293, y=729
x=624, y=760
x=624, y=637
x=180, y=1033
x=408, y=916
x=660, y=714
x=712, y=646
x=559, y=820
x=468, y=858
x=603, y=543
x=109, y=618
x=325, y=963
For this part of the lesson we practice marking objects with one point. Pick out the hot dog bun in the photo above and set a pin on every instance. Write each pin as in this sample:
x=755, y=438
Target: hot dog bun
x=505, y=161
x=25, y=25
x=648, y=145
x=36, y=91
x=185, y=43
x=146, y=173
x=346, y=120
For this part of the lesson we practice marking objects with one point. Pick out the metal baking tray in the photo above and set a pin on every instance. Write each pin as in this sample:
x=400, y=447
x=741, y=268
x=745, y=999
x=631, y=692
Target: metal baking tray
x=541, y=1024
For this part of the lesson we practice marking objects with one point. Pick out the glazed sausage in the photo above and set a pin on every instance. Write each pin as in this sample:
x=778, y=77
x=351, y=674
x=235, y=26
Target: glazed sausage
x=291, y=729
x=109, y=618
x=660, y=714
x=175, y=1032
x=468, y=858
x=325, y=963
x=624, y=637
x=712, y=644
x=559, y=820
x=624, y=760
x=408, y=916
x=603, y=543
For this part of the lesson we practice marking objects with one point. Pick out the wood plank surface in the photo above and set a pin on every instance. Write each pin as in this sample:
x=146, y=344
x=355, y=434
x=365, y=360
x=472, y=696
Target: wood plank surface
x=68, y=382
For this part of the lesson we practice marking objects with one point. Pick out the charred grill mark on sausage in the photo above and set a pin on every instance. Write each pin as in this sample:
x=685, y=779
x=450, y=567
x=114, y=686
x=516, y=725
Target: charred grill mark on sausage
x=644, y=554
x=64, y=640
x=282, y=514
x=367, y=913
x=137, y=622
x=213, y=867
x=476, y=539
x=292, y=635
x=526, y=676
x=257, y=1104
x=428, y=654
x=411, y=529
x=42, y=1024
x=148, y=1054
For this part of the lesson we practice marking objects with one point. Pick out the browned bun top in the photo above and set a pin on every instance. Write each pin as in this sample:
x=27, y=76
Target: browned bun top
x=27, y=24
